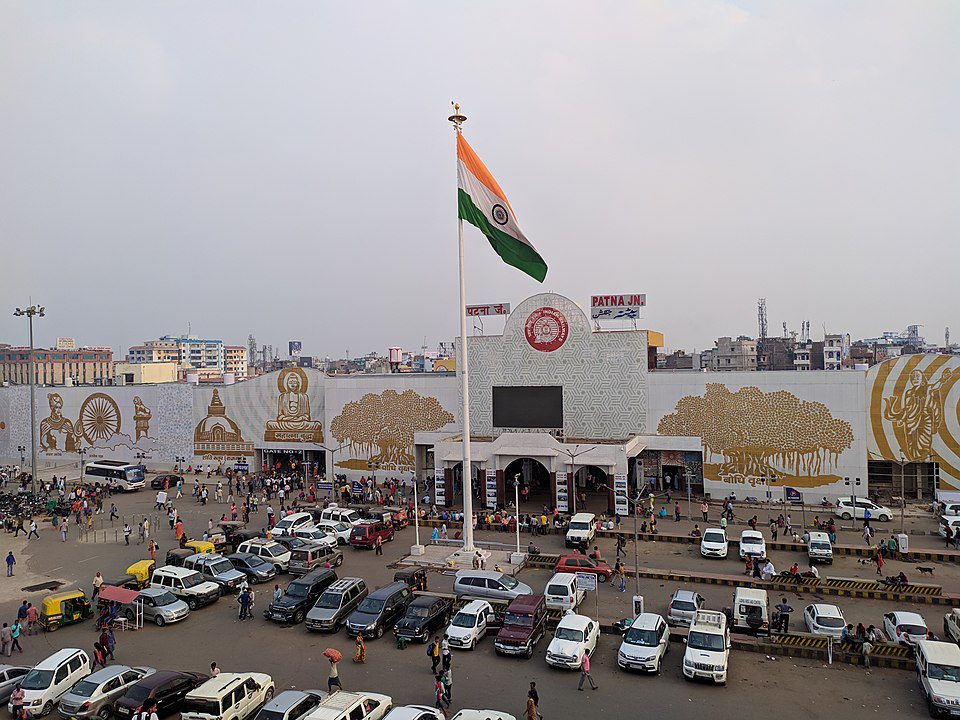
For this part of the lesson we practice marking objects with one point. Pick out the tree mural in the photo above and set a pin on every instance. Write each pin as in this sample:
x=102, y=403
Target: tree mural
x=381, y=426
x=761, y=434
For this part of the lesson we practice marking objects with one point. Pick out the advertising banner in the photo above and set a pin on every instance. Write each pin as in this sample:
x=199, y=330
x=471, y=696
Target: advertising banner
x=439, y=487
x=620, y=494
x=491, y=486
x=562, y=500
x=295, y=347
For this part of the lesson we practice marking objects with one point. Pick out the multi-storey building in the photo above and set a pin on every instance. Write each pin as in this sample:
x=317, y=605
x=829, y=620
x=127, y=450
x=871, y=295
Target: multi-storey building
x=235, y=360
x=731, y=355
x=198, y=353
x=83, y=366
x=832, y=351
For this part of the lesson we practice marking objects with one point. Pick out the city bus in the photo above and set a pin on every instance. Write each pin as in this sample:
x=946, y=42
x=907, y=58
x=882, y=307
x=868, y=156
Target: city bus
x=119, y=474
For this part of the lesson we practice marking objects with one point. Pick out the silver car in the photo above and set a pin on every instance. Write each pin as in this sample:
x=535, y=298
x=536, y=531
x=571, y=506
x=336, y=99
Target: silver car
x=683, y=607
x=10, y=675
x=160, y=606
x=489, y=584
x=291, y=705
x=95, y=695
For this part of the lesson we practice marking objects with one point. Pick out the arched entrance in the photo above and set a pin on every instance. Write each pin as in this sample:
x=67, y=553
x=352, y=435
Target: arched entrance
x=534, y=481
x=592, y=485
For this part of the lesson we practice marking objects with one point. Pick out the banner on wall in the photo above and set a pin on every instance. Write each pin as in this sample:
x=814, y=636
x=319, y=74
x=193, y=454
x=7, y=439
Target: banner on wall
x=491, y=486
x=439, y=487
x=620, y=493
x=562, y=500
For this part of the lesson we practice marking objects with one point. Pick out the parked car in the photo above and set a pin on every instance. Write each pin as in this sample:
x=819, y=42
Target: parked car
x=562, y=593
x=333, y=513
x=228, y=695
x=299, y=597
x=415, y=712
x=824, y=619
x=951, y=626
x=708, y=648
x=469, y=625
x=167, y=688
x=365, y=534
x=845, y=509
x=51, y=679
x=291, y=705
x=340, y=530
x=253, y=566
x=269, y=550
x=378, y=612
x=424, y=616
x=714, y=543
x=316, y=536
x=95, y=695
x=10, y=675
x=160, y=606
x=161, y=482
x=752, y=544
x=489, y=584
x=294, y=521
x=683, y=606
x=415, y=577
x=906, y=628
x=581, y=563
x=581, y=530
x=645, y=643
x=346, y=705
x=524, y=623
x=938, y=674
x=312, y=556
x=336, y=604
x=575, y=635
x=217, y=569
x=188, y=585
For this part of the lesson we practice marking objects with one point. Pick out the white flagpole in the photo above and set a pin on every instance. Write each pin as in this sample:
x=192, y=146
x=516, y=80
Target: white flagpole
x=463, y=370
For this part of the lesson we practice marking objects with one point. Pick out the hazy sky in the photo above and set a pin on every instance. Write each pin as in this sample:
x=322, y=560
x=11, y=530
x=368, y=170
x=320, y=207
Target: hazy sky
x=287, y=169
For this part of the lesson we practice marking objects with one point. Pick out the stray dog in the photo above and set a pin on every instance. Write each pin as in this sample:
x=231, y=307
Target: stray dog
x=864, y=561
x=925, y=570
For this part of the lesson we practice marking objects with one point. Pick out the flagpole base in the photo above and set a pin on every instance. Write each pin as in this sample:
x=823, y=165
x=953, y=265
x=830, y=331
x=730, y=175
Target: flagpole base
x=468, y=558
x=416, y=550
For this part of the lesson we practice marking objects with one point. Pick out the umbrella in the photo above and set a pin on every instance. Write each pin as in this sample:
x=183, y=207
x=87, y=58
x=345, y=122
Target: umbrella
x=333, y=654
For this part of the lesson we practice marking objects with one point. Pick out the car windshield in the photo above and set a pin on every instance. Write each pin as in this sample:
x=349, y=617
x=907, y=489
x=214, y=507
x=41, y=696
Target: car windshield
x=913, y=630
x=255, y=561
x=820, y=545
x=371, y=605
x=830, y=622
x=683, y=605
x=192, y=580
x=164, y=599
x=464, y=620
x=517, y=619
x=564, y=633
x=944, y=672
x=340, y=527
x=219, y=567
x=138, y=693
x=297, y=590
x=84, y=688
x=705, y=641
x=37, y=680
x=275, y=550
x=713, y=537
x=329, y=601
x=201, y=705
x=750, y=541
x=418, y=612
x=579, y=526
x=508, y=582
x=636, y=636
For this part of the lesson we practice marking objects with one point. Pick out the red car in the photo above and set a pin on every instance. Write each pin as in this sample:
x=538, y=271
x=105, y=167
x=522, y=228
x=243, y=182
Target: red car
x=581, y=563
x=366, y=533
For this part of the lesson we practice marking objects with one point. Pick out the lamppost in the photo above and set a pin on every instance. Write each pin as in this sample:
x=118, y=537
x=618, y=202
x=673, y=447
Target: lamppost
x=516, y=504
x=30, y=313
x=903, y=497
x=573, y=455
x=22, y=449
x=332, y=451
x=82, y=452
x=635, y=501
x=179, y=460
x=854, y=484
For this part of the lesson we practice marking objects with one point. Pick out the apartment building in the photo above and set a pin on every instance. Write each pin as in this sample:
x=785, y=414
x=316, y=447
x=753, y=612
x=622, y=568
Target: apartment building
x=197, y=352
x=82, y=366
x=731, y=355
x=235, y=360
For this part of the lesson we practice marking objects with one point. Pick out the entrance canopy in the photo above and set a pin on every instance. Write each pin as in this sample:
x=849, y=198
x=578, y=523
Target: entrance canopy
x=112, y=593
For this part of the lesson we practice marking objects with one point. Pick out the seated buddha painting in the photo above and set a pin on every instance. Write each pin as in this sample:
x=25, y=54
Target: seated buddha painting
x=294, y=422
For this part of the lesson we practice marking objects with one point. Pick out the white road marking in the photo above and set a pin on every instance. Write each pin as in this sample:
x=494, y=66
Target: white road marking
x=90, y=558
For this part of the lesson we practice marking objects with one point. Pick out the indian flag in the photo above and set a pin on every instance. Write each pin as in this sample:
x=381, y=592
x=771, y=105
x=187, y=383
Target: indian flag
x=482, y=202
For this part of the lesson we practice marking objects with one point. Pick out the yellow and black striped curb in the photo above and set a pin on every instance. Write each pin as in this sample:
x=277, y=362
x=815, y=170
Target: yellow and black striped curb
x=812, y=641
x=857, y=584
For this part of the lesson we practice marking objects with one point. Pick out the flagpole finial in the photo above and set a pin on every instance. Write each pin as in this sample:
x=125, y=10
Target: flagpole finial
x=457, y=119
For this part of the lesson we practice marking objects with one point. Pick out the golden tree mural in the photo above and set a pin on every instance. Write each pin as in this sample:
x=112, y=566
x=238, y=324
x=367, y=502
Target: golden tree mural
x=381, y=426
x=761, y=434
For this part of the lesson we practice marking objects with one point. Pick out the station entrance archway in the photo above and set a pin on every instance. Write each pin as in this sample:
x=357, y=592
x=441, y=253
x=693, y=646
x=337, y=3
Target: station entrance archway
x=534, y=481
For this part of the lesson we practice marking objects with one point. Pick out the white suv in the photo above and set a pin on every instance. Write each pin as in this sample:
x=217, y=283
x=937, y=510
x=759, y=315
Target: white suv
x=708, y=648
x=644, y=644
x=574, y=636
x=231, y=696
x=269, y=550
x=581, y=530
x=291, y=522
x=469, y=625
x=846, y=510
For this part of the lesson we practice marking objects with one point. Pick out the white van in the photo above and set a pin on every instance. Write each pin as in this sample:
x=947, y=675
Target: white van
x=342, y=515
x=561, y=592
x=51, y=679
x=708, y=647
x=582, y=530
x=819, y=548
x=751, y=610
x=938, y=673
x=469, y=625
x=228, y=695
x=343, y=705
x=187, y=585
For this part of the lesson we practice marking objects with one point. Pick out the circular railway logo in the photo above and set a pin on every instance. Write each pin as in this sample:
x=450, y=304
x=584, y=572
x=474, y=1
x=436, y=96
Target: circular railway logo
x=546, y=329
x=500, y=215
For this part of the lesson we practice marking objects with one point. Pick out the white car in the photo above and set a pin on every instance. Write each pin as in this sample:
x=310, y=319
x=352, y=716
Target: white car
x=340, y=530
x=846, y=510
x=269, y=550
x=752, y=543
x=952, y=520
x=906, y=628
x=644, y=644
x=316, y=536
x=237, y=695
x=51, y=679
x=414, y=712
x=823, y=619
x=708, y=648
x=469, y=625
x=483, y=715
x=574, y=636
x=714, y=543
x=287, y=524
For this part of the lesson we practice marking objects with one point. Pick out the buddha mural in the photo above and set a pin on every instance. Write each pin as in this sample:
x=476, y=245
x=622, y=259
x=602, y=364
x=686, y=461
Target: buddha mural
x=294, y=422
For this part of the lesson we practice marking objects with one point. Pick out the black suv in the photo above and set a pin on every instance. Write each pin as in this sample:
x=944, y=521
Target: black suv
x=300, y=596
x=424, y=616
x=380, y=610
x=167, y=688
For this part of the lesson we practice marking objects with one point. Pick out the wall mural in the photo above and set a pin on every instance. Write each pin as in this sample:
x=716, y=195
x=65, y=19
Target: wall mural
x=749, y=434
x=381, y=428
x=914, y=409
x=294, y=422
x=98, y=425
x=217, y=435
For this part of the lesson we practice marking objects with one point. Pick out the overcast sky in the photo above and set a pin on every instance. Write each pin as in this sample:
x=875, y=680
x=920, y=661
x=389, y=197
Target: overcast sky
x=286, y=169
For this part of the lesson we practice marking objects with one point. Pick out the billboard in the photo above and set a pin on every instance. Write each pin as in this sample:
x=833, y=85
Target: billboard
x=617, y=307
x=494, y=309
x=528, y=407
x=295, y=347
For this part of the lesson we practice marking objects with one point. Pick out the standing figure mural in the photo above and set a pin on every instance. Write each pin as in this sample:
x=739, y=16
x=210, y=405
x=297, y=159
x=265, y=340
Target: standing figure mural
x=141, y=418
x=917, y=412
x=56, y=431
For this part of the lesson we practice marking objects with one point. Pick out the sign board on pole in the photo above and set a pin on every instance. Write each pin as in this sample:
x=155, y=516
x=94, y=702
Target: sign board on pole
x=562, y=499
x=617, y=307
x=792, y=495
x=325, y=485
x=356, y=487
x=241, y=467
x=162, y=497
x=586, y=581
x=439, y=487
x=637, y=605
x=491, y=487
x=494, y=309
x=620, y=495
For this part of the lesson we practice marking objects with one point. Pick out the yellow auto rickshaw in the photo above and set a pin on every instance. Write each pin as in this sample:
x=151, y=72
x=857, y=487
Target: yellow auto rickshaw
x=200, y=546
x=64, y=608
x=141, y=571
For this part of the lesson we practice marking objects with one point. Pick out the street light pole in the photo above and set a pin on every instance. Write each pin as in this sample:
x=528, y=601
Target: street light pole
x=516, y=504
x=30, y=312
x=573, y=455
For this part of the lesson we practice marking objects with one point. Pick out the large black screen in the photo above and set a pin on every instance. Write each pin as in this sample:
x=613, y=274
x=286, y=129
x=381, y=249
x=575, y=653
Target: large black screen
x=528, y=407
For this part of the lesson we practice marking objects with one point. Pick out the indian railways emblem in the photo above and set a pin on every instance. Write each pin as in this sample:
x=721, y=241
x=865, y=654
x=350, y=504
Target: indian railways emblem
x=500, y=215
x=546, y=329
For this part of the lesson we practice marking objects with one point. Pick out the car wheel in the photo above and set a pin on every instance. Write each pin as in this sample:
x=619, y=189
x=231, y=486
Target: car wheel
x=129, y=615
x=883, y=518
x=339, y=561
x=47, y=708
x=160, y=621
x=104, y=713
x=298, y=617
x=269, y=695
x=601, y=577
x=379, y=633
x=473, y=643
x=659, y=664
x=845, y=516
x=931, y=708
x=192, y=604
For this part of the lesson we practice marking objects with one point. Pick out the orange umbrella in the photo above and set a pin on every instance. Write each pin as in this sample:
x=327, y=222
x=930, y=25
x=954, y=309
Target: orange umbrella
x=333, y=654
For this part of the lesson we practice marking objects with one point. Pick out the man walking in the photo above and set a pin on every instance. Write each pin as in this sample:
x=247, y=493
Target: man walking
x=63, y=531
x=126, y=534
x=532, y=694
x=585, y=673
x=333, y=678
x=244, y=600
x=114, y=515
x=705, y=509
x=434, y=652
x=97, y=582
x=379, y=545
x=33, y=530
x=6, y=639
x=621, y=546
x=11, y=561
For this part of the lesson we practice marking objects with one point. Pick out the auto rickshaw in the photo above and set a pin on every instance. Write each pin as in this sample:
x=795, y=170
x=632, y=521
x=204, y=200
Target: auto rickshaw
x=141, y=572
x=200, y=546
x=415, y=577
x=176, y=556
x=228, y=528
x=124, y=581
x=64, y=608
x=398, y=515
x=241, y=536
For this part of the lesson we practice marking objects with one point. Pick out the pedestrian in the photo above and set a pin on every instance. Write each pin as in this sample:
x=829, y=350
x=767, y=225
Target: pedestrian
x=16, y=702
x=150, y=711
x=585, y=670
x=6, y=638
x=360, y=656
x=879, y=560
x=333, y=678
x=63, y=531
x=447, y=680
x=99, y=655
x=676, y=517
x=865, y=648
x=32, y=616
x=11, y=561
x=277, y=592
x=705, y=509
x=153, y=550
x=114, y=515
x=783, y=616
x=105, y=643
x=22, y=610
x=15, y=630
x=531, y=711
x=866, y=535
x=773, y=530
x=126, y=534
x=445, y=656
x=533, y=695
x=141, y=533
x=214, y=670
x=97, y=582
x=244, y=600
x=33, y=530
x=621, y=546
x=440, y=694
x=379, y=545
x=433, y=652
x=619, y=575
x=948, y=535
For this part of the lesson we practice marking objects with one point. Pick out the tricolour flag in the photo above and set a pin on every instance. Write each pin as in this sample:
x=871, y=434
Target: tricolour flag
x=481, y=202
